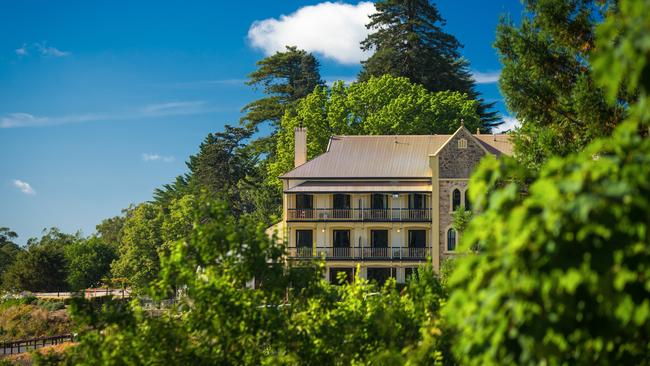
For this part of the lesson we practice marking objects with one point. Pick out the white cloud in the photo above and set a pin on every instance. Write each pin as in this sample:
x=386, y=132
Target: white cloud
x=486, y=77
x=22, y=51
x=13, y=120
x=173, y=108
x=49, y=51
x=24, y=187
x=333, y=30
x=156, y=157
x=40, y=48
x=509, y=124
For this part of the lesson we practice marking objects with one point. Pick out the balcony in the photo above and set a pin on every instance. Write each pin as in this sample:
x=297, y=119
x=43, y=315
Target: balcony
x=359, y=214
x=359, y=253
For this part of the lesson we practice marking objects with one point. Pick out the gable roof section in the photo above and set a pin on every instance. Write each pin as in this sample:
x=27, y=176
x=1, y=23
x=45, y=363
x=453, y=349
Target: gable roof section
x=459, y=131
x=380, y=156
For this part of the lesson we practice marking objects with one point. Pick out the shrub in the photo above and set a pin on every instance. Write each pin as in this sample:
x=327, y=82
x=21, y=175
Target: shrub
x=563, y=275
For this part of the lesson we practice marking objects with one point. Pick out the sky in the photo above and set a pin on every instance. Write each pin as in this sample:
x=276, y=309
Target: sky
x=101, y=102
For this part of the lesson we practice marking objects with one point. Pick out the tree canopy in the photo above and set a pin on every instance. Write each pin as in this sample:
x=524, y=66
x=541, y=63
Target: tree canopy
x=548, y=81
x=386, y=105
x=408, y=40
x=42, y=266
x=285, y=77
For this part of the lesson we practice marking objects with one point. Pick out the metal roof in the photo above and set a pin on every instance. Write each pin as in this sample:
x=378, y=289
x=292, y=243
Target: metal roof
x=383, y=156
x=361, y=187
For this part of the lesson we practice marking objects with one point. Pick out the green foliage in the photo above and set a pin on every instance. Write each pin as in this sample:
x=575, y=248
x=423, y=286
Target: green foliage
x=380, y=106
x=228, y=168
x=89, y=262
x=138, y=258
x=408, y=41
x=43, y=265
x=292, y=318
x=285, y=77
x=563, y=275
x=548, y=82
x=622, y=61
x=8, y=250
x=461, y=219
x=110, y=230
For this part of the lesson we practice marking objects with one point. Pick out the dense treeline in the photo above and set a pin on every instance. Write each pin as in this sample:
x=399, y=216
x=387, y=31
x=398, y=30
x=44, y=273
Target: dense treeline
x=557, y=250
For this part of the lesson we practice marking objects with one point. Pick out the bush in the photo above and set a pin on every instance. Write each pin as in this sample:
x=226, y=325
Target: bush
x=563, y=275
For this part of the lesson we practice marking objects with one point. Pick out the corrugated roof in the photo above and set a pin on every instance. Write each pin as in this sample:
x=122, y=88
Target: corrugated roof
x=360, y=187
x=496, y=144
x=384, y=156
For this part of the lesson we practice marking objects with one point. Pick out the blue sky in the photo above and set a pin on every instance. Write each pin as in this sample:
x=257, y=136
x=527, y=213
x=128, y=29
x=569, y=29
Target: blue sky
x=103, y=101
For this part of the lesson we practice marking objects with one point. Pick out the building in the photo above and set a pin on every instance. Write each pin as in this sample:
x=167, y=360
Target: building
x=384, y=203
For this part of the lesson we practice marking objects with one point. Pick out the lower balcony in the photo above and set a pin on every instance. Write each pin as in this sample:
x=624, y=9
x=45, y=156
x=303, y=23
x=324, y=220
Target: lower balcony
x=358, y=214
x=359, y=253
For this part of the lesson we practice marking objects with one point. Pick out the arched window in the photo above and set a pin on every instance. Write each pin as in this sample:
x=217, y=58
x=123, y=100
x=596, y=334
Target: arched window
x=455, y=199
x=451, y=240
x=468, y=205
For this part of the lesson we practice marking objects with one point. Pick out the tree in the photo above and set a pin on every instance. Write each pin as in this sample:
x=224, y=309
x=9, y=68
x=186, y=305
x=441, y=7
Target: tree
x=89, y=262
x=548, y=82
x=227, y=166
x=223, y=162
x=138, y=252
x=219, y=320
x=8, y=249
x=110, y=230
x=408, y=40
x=285, y=78
x=43, y=265
x=556, y=281
x=380, y=106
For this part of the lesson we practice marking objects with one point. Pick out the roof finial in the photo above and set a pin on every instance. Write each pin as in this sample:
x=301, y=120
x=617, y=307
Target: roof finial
x=462, y=122
x=300, y=124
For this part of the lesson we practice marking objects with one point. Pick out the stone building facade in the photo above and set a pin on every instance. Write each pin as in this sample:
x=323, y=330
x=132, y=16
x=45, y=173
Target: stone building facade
x=381, y=205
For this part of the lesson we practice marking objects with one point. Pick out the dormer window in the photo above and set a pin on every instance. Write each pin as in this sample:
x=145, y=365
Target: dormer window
x=462, y=144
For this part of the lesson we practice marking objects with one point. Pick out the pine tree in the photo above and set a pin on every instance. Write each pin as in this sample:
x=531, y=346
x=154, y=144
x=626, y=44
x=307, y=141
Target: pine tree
x=408, y=40
x=547, y=78
x=285, y=78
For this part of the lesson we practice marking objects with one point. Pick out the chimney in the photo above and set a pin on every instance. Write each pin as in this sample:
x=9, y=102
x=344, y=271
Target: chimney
x=300, y=146
x=478, y=131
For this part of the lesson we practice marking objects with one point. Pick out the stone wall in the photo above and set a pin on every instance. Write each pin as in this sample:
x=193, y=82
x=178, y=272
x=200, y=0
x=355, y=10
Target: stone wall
x=446, y=216
x=455, y=162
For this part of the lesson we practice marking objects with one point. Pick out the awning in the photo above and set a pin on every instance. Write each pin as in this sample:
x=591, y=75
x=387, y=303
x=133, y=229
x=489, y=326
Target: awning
x=361, y=187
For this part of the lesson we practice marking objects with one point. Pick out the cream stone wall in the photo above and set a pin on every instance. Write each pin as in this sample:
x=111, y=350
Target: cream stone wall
x=446, y=215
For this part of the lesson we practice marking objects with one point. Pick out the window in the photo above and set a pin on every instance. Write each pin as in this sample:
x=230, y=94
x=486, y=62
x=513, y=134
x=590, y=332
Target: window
x=379, y=202
x=380, y=275
x=341, y=206
x=341, y=201
x=468, y=205
x=417, y=201
x=304, y=201
x=304, y=238
x=379, y=207
x=455, y=199
x=417, y=238
x=379, y=238
x=462, y=144
x=451, y=240
x=410, y=273
x=341, y=238
x=347, y=274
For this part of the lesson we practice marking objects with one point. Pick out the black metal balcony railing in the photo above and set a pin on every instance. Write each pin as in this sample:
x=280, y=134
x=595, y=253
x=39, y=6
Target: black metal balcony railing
x=358, y=214
x=359, y=253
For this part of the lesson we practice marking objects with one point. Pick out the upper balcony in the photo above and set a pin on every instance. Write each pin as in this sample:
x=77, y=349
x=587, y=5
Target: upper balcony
x=381, y=207
x=359, y=214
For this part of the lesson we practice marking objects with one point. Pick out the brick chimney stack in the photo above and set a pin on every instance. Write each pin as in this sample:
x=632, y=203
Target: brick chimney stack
x=300, y=147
